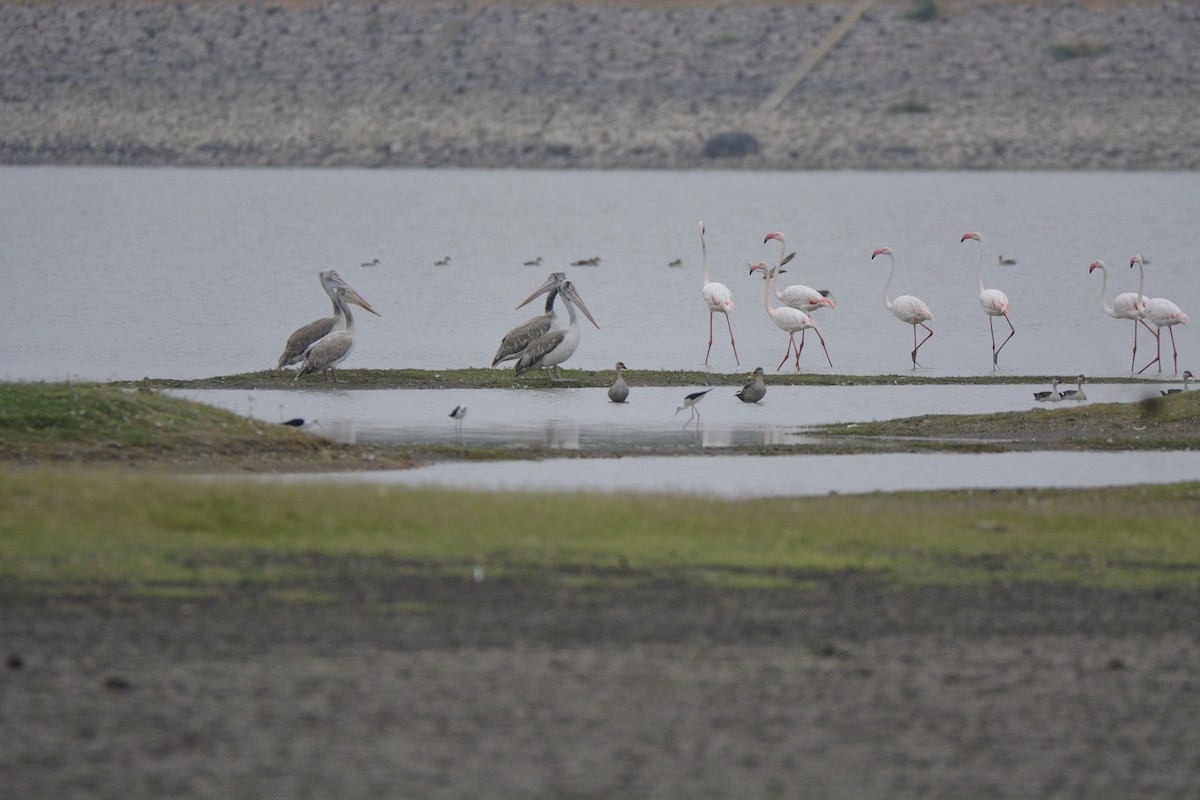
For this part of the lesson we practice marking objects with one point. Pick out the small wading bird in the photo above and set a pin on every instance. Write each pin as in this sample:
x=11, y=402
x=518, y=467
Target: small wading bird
x=1187, y=376
x=690, y=402
x=1125, y=306
x=790, y=320
x=327, y=353
x=300, y=422
x=1051, y=396
x=302, y=339
x=755, y=390
x=719, y=300
x=1164, y=314
x=798, y=296
x=994, y=302
x=555, y=347
x=516, y=340
x=1077, y=392
x=906, y=308
x=458, y=415
x=618, y=392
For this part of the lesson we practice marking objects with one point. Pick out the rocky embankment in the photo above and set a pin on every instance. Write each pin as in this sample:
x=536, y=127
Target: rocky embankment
x=984, y=84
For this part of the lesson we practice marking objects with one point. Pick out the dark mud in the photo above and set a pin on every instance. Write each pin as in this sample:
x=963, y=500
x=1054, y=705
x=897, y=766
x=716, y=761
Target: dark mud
x=390, y=679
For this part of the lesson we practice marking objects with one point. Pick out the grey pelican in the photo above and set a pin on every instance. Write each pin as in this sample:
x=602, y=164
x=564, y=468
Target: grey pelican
x=1051, y=396
x=906, y=307
x=1077, y=392
x=555, y=347
x=755, y=390
x=618, y=392
x=330, y=351
x=994, y=302
x=1187, y=376
x=719, y=300
x=302, y=339
x=519, y=337
x=690, y=402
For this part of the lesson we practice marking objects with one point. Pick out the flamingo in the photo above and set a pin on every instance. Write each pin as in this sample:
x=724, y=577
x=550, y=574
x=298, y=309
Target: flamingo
x=719, y=300
x=994, y=302
x=755, y=390
x=1187, y=376
x=330, y=351
x=618, y=392
x=1051, y=396
x=303, y=338
x=519, y=337
x=555, y=347
x=798, y=296
x=690, y=402
x=1077, y=392
x=906, y=308
x=1164, y=314
x=1125, y=306
x=790, y=320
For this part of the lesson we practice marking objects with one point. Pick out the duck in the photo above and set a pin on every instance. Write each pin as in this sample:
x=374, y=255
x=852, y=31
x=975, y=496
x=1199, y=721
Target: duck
x=1187, y=376
x=619, y=391
x=1051, y=396
x=755, y=390
x=1077, y=392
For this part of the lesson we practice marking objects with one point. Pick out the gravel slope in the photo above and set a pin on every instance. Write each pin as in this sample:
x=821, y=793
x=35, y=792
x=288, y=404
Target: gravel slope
x=430, y=84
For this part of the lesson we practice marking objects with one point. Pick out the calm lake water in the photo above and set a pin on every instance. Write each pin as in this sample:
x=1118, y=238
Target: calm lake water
x=175, y=273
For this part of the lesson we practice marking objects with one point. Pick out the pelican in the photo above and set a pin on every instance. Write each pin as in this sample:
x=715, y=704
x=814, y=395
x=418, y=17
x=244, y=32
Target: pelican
x=690, y=402
x=555, y=347
x=327, y=353
x=519, y=337
x=302, y=339
x=618, y=392
x=1077, y=392
x=755, y=390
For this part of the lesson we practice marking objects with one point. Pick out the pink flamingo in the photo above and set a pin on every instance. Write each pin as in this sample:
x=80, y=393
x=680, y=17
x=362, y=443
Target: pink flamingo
x=719, y=300
x=1164, y=314
x=906, y=308
x=798, y=296
x=1125, y=306
x=994, y=302
x=790, y=320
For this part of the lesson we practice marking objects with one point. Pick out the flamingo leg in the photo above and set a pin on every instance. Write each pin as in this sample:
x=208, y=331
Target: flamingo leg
x=709, y=351
x=1174, y=352
x=996, y=350
x=791, y=341
x=1158, y=352
x=916, y=346
x=1133, y=359
x=823, y=347
x=731, y=341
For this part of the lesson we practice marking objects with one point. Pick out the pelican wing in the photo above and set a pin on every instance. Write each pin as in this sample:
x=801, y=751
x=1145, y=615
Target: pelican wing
x=516, y=340
x=327, y=353
x=538, y=349
x=302, y=339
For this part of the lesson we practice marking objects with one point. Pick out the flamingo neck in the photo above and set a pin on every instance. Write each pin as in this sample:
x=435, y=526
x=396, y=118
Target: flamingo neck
x=1104, y=306
x=767, y=291
x=979, y=271
x=1141, y=284
x=887, y=285
x=703, y=258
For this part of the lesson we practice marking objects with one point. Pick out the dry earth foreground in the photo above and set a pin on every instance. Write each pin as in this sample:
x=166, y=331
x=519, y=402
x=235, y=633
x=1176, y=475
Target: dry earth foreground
x=941, y=84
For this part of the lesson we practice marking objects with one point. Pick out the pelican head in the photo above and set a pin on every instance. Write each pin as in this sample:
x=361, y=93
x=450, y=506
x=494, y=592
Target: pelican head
x=567, y=290
x=336, y=284
x=550, y=284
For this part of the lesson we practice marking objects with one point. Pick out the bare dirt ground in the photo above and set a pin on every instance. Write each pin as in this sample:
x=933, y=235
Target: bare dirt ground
x=380, y=679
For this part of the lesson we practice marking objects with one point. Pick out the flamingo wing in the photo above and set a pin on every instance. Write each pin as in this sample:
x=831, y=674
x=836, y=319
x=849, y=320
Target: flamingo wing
x=911, y=310
x=994, y=302
x=718, y=297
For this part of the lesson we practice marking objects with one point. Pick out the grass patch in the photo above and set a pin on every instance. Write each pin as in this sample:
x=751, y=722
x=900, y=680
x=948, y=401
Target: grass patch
x=1077, y=48
x=909, y=107
x=67, y=527
x=922, y=11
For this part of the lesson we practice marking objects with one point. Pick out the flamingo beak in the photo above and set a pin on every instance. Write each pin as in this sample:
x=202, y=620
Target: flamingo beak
x=357, y=299
x=551, y=283
x=570, y=292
